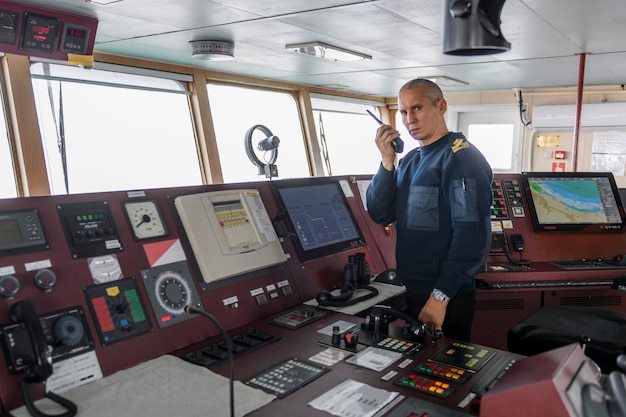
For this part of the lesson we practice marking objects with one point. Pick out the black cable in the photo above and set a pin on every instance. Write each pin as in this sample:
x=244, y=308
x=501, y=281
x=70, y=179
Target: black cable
x=229, y=344
x=520, y=261
x=507, y=252
x=35, y=412
x=521, y=109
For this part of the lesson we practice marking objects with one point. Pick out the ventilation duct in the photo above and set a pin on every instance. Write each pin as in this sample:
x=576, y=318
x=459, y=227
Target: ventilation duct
x=598, y=115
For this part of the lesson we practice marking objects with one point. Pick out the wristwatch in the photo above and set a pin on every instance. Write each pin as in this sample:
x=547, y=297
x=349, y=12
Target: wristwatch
x=439, y=295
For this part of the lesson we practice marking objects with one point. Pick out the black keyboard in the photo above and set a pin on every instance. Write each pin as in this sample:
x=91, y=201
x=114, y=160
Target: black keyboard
x=587, y=264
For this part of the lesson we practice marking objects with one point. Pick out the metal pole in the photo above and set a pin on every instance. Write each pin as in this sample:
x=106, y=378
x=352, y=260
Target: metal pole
x=579, y=105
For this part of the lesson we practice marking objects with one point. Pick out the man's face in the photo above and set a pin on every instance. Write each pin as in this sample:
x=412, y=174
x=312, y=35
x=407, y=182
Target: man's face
x=419, y=115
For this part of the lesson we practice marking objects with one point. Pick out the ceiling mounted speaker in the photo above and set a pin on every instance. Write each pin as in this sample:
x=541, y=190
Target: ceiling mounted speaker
x=213, y=50
x=472, y=27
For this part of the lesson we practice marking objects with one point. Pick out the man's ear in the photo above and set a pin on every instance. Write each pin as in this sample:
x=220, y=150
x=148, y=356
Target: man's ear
x=443, y=105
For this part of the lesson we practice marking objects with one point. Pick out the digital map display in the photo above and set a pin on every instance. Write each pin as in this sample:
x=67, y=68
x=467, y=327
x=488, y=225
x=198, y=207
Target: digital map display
x=574, y=201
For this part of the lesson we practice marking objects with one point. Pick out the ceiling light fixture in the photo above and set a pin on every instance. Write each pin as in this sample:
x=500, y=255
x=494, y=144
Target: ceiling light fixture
x=103, y=2
x=444, y=81
x=213, y=50
x=330, y=52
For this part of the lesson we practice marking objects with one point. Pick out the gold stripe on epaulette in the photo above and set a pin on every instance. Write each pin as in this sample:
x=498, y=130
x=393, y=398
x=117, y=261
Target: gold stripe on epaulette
x=459, y=144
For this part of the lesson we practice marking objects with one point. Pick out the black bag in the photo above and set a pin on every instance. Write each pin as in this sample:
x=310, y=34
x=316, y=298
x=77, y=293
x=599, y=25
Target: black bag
x=553, y=327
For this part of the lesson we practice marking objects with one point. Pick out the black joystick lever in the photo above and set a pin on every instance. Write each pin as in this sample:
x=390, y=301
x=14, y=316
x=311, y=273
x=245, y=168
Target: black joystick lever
x=621, y=362
x=584, y=341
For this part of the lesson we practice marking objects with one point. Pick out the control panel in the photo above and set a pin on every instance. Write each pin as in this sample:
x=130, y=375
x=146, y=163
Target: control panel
x=89, y=228
x=33, y=31
x=507, y=198
x=300, y=317
x=230, y=232
x=244, y=342
x=64, y=331
x=514, y=193
x=122, y=266
x=118, y=310
x=21, y=231
x=170, y=289
x=285, y=377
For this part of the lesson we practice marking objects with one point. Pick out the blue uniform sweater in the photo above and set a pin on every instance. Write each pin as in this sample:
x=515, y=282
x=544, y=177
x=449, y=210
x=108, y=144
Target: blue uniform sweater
x=439, y=197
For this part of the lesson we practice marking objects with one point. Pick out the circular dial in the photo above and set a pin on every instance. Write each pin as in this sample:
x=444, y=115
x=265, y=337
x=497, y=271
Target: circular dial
x=9, y=286
x=45, y=279
x=172, y=292
x=145, y=219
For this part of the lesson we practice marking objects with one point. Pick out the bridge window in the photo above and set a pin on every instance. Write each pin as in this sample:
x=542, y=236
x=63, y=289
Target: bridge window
x=106, y=129
x=235, y=110
x=8, y=187
x=346, y=134
x=496, y=131
x=495, y=141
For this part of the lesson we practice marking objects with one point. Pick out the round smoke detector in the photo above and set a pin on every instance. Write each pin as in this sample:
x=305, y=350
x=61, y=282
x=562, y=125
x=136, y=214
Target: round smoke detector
x=213, y=50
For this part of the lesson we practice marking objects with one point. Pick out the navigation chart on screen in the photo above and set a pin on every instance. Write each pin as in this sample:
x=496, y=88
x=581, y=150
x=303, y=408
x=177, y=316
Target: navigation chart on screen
x=567, y=201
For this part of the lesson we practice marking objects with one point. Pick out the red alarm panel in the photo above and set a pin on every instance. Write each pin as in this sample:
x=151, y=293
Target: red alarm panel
x=33, y=31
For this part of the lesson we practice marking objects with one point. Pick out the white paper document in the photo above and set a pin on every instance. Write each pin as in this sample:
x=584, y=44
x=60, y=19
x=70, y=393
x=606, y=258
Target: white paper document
x=374, y=358
x=353, y=399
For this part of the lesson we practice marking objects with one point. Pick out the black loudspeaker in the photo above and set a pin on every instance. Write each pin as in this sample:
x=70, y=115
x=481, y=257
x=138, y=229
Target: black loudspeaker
x=356, y=275
x=472, y=27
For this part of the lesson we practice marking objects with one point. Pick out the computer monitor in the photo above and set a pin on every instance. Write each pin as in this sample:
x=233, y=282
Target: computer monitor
x=622, y=194
x=574, y=201
x=318, y=215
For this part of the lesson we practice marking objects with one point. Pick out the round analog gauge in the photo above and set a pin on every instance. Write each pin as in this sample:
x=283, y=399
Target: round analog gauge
x=172, y=292
x=145, y=219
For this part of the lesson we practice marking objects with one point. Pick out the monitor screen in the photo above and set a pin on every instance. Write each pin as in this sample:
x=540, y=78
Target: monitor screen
x=318, y=214
x=574, y=201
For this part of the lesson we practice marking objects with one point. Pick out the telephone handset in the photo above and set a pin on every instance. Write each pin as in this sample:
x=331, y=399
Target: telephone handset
x=356, y=275
x=380, y=316
x=500, y=246
x=39, y=368
x=518, y=242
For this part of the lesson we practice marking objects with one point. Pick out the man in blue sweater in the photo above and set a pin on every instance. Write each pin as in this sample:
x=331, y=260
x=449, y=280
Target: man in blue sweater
x=439, y=197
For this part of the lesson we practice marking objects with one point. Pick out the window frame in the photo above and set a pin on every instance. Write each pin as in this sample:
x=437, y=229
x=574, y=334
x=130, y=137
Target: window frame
x=519, y=129
x=344, y=105
x=126, y=78
x=302, y=101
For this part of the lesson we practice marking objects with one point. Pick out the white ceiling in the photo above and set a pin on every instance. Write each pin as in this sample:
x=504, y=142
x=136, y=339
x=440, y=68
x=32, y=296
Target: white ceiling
x=404, y=37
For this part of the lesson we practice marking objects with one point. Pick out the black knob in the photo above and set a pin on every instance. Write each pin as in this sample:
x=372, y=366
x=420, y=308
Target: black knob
x=461, y=8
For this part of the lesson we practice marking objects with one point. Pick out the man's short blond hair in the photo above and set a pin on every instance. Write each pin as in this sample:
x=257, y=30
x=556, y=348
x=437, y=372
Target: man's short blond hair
x=431, y=89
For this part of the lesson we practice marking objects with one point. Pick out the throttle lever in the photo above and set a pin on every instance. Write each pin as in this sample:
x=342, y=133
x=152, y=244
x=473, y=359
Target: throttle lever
x=584, y=341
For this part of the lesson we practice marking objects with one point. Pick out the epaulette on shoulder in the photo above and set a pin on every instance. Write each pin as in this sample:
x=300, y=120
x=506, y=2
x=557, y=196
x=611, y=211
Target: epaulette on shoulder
x=458, y=144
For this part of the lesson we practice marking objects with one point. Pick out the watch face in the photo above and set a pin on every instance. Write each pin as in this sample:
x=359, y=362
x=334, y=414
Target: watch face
x=145, y=219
